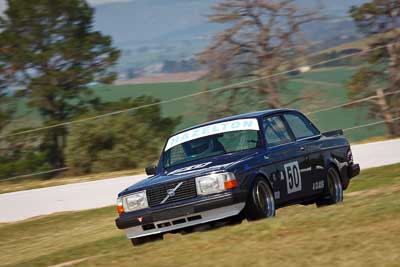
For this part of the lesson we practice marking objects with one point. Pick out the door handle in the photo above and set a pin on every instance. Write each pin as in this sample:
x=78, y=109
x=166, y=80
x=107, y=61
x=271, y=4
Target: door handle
x=302, y=148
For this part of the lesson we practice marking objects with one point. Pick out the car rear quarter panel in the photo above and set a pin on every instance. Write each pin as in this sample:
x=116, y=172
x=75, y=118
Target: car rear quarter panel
x=329, y=151
x=334, y=150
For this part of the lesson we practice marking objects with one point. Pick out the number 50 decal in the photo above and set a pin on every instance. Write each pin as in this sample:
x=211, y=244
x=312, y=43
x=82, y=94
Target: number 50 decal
x=293, y=178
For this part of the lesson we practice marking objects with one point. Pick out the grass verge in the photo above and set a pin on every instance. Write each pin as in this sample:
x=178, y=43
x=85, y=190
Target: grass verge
x=362, y=231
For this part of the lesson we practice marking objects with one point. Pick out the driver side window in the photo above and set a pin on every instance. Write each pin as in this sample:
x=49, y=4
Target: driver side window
x=176, y=154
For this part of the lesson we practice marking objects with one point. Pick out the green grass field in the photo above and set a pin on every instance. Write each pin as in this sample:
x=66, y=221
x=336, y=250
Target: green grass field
x=362, y=231
x=327, y=86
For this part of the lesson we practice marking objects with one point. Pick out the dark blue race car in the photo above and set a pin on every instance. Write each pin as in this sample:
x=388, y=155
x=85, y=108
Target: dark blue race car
x=241, y=167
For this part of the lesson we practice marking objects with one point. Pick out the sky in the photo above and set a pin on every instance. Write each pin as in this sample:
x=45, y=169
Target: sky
x=92, y=2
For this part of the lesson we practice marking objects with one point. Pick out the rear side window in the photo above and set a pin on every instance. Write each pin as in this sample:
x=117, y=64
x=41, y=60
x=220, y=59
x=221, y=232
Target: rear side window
x=300, y=126
x=275, y=131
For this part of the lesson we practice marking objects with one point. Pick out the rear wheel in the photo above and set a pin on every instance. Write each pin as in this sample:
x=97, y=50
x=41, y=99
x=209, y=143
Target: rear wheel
x=334, y=189
x=261, y=201
x=146, y=239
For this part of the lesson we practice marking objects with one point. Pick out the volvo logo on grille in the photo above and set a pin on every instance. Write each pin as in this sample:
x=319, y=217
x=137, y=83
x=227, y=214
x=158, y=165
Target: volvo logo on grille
x=171, y=193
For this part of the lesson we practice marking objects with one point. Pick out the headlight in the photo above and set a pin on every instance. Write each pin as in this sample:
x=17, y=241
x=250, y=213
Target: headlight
x=215, y=183
x=135, y=201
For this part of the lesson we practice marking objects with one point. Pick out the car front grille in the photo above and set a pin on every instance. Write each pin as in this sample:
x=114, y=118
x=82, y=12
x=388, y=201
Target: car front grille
x=156, y=194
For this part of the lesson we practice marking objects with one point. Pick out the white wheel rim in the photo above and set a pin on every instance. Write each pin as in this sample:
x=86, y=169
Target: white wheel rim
x=337, y=185
x=265, y=198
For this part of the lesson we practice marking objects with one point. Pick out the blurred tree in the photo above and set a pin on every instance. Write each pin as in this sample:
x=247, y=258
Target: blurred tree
x=49, y=47
x=6, y=110
x=19, y=154
x=381, y=77
x=122, y=141
x=30, y=162
x=261, y=38
x=6, y=107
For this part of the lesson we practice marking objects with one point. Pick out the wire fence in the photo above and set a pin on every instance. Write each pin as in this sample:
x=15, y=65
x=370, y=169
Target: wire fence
x=370, y=124
x=351, y=103
x=226, y=87
x=34, y=174
x=66, y=168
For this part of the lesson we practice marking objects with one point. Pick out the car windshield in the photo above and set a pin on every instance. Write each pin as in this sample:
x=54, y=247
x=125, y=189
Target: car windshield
x=211, y=140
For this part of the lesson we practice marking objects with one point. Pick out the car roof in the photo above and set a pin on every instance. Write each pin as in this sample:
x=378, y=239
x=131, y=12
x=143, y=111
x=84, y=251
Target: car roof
x=255, y=114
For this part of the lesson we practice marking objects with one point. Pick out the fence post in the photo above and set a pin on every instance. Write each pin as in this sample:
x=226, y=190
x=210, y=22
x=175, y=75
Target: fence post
x=384, y=107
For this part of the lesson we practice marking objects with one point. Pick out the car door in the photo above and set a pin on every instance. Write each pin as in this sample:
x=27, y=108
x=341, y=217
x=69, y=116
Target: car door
x=285, y=161
x=308, y=141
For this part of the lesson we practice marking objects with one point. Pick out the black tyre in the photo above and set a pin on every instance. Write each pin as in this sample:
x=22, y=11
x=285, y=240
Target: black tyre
x=261, y=201
x=235, y=220
x=146, y=239
x=334, y=189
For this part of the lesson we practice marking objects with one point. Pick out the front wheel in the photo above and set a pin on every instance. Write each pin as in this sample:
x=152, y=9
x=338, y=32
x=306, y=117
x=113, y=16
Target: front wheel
x=261, y=201
x=334, y=189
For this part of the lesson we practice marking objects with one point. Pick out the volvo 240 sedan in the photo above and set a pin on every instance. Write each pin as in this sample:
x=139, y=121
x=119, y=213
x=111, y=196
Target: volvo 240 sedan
x=241, y=167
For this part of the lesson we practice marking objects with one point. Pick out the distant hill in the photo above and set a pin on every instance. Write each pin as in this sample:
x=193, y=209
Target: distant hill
x=152, y=31
x=142, y=21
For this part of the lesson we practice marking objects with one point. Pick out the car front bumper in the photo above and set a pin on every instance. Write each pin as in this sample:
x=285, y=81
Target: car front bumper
x=196, y=211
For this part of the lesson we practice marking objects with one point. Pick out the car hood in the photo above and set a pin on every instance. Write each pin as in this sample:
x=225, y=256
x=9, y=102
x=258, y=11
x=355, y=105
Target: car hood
x=193, y=169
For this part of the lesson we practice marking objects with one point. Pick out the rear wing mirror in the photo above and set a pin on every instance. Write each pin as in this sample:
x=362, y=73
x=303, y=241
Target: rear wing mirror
x=333, y=133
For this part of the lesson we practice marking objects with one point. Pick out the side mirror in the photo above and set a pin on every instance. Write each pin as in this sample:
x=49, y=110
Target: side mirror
x=151, y=170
